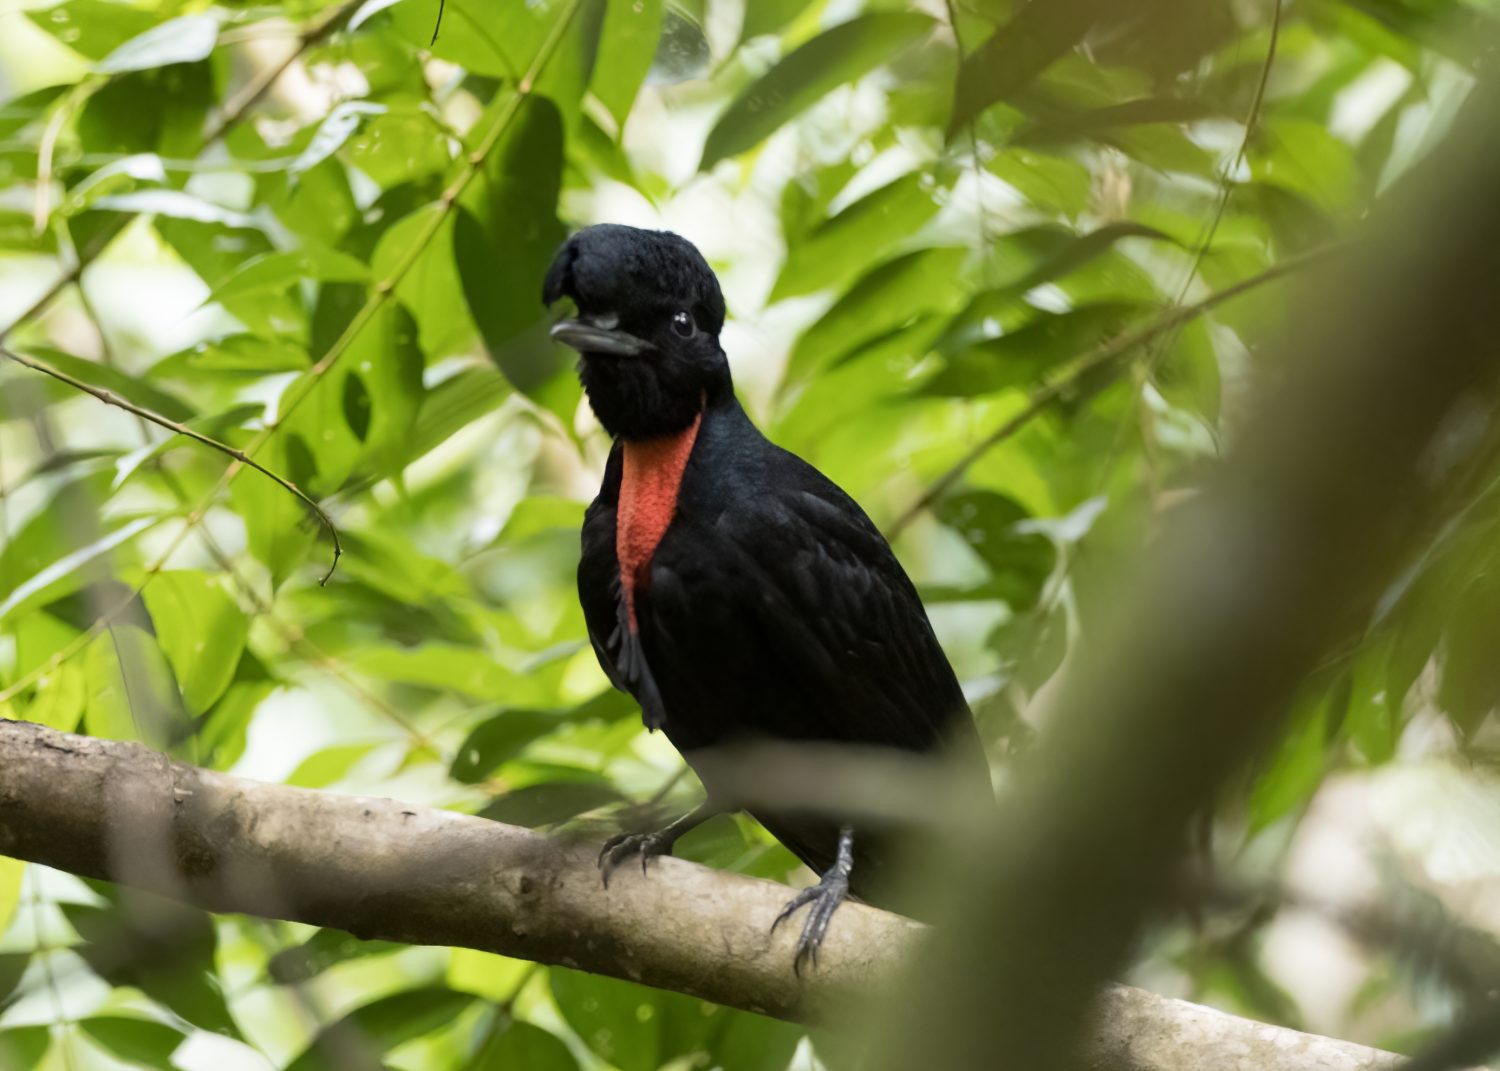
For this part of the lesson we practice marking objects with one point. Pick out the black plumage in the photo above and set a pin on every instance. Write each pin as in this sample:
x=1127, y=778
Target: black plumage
x=771, y=608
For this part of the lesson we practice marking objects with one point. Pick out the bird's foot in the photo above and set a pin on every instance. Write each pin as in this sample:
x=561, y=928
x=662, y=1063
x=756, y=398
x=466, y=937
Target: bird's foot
x=825, y=897
x=623, y=845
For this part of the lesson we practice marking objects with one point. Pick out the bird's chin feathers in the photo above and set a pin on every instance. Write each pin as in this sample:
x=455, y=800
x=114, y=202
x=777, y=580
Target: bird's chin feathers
x=647, y=396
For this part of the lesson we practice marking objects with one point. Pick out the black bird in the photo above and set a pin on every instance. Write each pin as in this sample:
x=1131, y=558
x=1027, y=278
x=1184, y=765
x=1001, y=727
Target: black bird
x=735, y=591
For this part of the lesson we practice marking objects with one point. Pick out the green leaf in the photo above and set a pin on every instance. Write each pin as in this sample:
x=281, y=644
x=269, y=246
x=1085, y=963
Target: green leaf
x=142, y=1041
x=234, y=354
x=430, y=288
x=92, y=28
x=11, y=873
x=1307, y=160
x=1469, y=691
x=504, y=238
x=131, y=691
x=280, y=271
x=843, y=245
x=638, y=1029
x=993, y=525
x=769, y=16
x=885, y=299
x=485, y=974
x=842, y=54
x=132, y=388
x=1052, y=183
x=538, y=514
x=1296, y=768
x=402, y=145
x=160, y=110
x=498, y=740
x=185, y=39
x=162, y=948
x=49, y=533
x=201, y=631
x=59, y=700
x=323, y=768
x=1066, y=252
x=278, y=530
x=629, y=41
x=550, y=802
x=683, y=54
x=380, y=1026
x=23, y=1048
x=623, y=1023
x=12, y=964
x=177, y=205
x=487, y=40
x=456, y=403
x=521, y=1045
x=337, y=128
x=1374, y=717
x=570, y=67
x=463, y=669
x=324, y=949
x=1017, y=52
x=1021, y=356
x=221, y=734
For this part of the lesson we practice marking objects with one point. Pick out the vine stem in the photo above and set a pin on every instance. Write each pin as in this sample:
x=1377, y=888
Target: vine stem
x=1091, y=361
x=109, y=397
x=1155, y=355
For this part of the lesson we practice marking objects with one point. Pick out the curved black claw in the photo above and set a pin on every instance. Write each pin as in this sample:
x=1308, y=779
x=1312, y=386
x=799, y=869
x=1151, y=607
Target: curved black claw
x=623, y=845
x=825, y=897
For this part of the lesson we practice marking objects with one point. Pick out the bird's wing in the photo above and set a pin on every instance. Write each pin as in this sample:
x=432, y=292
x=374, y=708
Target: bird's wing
x=599, y=570
x=793, y=601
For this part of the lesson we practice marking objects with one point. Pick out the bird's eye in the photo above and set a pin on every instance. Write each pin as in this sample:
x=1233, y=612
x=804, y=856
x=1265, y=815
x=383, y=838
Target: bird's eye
x=683, y=324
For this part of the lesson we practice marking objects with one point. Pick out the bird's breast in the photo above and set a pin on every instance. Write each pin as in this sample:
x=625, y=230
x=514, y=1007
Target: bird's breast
x=649, y=483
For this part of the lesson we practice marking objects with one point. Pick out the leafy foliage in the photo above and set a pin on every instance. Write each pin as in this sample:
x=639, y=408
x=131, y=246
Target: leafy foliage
x=922, y=226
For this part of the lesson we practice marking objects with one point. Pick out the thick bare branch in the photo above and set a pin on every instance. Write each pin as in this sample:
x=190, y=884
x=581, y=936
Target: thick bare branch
x=382, y=869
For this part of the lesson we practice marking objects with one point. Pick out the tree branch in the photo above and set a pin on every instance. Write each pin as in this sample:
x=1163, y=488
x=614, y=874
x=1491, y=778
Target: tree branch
x=381, y=869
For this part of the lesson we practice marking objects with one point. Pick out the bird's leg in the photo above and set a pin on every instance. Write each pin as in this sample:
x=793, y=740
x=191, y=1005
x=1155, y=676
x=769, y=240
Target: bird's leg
x=623, y=845
x=825, y=897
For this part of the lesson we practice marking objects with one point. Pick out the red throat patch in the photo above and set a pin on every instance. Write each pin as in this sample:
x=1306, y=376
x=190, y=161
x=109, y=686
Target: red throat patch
x=649, y=484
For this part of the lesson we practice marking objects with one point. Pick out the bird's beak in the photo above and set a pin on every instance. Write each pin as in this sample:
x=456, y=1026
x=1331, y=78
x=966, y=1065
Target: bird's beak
x=598, y=334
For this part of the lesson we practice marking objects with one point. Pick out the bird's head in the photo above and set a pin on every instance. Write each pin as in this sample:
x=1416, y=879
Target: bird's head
x=649, y=316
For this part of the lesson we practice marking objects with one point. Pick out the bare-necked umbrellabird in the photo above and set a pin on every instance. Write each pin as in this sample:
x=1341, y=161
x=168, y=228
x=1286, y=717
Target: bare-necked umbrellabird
x=731, y=588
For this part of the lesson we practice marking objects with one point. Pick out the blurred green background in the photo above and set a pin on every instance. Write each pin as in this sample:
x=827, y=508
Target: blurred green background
x=304, y=231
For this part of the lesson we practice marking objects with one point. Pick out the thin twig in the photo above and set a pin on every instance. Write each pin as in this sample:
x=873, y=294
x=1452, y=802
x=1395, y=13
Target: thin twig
x=109, y=397
x=1083, y=366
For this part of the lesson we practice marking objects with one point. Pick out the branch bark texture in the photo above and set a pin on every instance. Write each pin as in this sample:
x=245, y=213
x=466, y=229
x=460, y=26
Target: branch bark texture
x=382, y=869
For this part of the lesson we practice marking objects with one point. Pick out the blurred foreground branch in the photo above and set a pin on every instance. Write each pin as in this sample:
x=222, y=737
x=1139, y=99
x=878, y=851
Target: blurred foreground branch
x=380, y=869
x=1371, y=407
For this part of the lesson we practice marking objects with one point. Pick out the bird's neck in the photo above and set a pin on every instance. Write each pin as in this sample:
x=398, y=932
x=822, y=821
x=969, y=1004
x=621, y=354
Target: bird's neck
x=650, y=478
